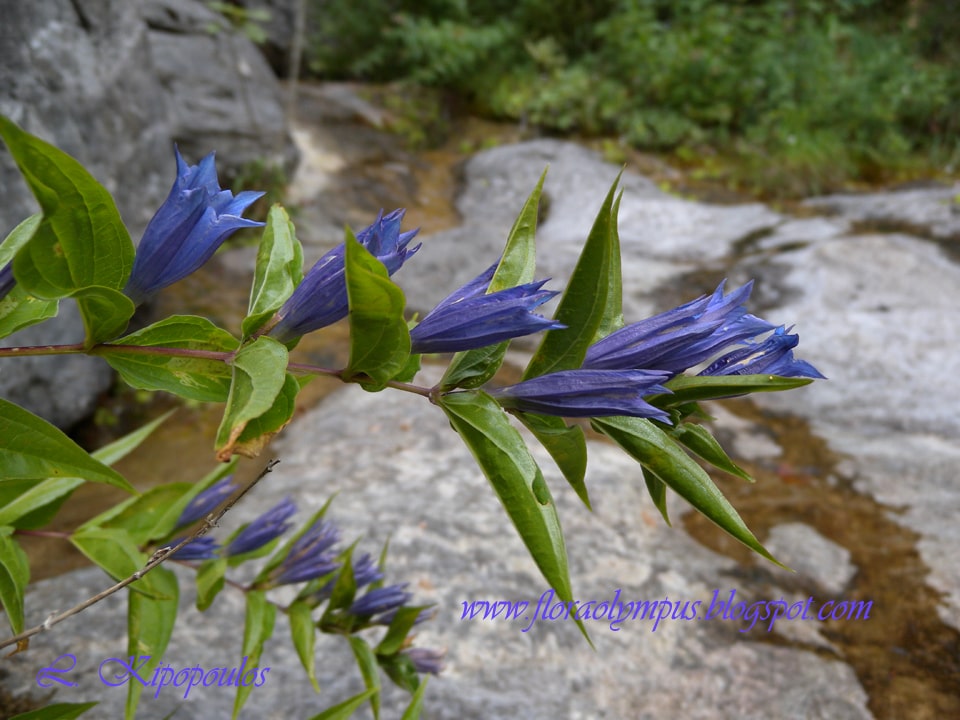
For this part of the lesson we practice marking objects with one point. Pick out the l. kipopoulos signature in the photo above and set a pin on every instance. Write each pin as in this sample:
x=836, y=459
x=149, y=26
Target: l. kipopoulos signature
x=117, y=671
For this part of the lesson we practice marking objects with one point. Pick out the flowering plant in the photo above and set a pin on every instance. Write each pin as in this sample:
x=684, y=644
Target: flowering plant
x=640, y=384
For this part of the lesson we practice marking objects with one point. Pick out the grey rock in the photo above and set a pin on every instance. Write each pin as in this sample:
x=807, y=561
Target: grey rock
x=806, y=551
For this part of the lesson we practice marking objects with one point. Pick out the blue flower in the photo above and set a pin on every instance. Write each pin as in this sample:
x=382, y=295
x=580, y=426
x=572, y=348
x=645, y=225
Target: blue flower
x=207, y=501
x=587, y=393
x=308, y=558
x=426, y=660
x=321, y=298
x=186, y=231
x=382, y=600
x=470, y=318
x=269, y=526
x=770, y=356
x=678, y=339
x=7, y=280
x=203, y=548
x=365, y=571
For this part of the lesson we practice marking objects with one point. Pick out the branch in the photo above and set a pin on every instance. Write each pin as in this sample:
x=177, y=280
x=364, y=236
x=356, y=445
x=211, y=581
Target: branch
x=211, y=521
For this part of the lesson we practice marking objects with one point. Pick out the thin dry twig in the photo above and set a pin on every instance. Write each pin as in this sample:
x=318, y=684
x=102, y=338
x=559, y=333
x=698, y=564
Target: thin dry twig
x=211, y=521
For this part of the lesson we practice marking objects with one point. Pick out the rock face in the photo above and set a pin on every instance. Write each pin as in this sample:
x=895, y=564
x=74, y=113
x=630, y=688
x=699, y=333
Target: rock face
x=115, y=83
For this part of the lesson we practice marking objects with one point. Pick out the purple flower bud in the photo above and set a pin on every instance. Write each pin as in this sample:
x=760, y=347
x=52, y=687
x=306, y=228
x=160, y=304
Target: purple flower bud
x=7, y=280
x=186, y=231
x=269, y=526
x=365, y=571
x=426, y=660
x=469, y=318
x=307, y=558
x=381, y=600
x=207, y=501
x=321, y=298
x=770, y=356
x=587, y=393
x=203, y=548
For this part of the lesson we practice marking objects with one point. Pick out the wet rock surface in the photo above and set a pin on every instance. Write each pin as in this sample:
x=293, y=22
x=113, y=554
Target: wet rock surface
x=857, y=491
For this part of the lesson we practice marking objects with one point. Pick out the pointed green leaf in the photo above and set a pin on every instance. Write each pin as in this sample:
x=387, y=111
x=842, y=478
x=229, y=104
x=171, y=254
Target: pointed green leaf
x=257, y=629
x=192, y=378
x=591, y=300
x=343, y=711
x=147, y=517
x=400, y=669
x=379, y=339
x=278, y=272
x=105, y=312
x=19, y=309
x=662, y=457
x=259, y=431
x=566, y=445
x=150, y=622
x=699, y=440
x=210, y=581
x=115, y=552
x=613, y=309
x=81, y=241
x=693, y=388
x=505, y=460
x=416, y=703
x=304, y=634
x=259, y=376
x=367, y=662
x=472, y=368
x=33, y=449
x=401, y=625
x=14, y=577
x=658, y=493
x=57, y=711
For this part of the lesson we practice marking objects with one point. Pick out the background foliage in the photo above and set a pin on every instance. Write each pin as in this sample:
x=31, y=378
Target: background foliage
x=805, y=94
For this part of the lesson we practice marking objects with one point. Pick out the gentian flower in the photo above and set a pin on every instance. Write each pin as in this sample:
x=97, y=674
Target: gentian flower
x=471, y=318
x=207, y=501
x=365, y=571
x=7, y=280
x=587, y=393
x=186, y=231
x=203, y=548
x=308, y=558
x=269, y=526
x=382, y=600
x=678, y=339
x=426, y=660
x=770, y=356
x=321, y=298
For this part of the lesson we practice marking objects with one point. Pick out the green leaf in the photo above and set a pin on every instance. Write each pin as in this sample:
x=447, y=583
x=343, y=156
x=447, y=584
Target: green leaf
x=150, y=622
x=591, y=301
x=699, y=440
x=210, y=581
x=687, y=388
x=33, y=449
x=367, y=662
x=19, y=309
x=257, y=629
x=57, y=711
x=206, y=380
x=259, y=376
x=147, y=517
x=401, y=625
x=81, y=241
x=115, y=552
x=343, y=711
x=278, y=272
x=106, y=313
x=379, y=339
x=472, y=368
x=304, y=634
x=658, y=493
x=26, y=504
x=566, y=445
x=401, y=671
x=14, y=577
x=516, y=479
x=662, y=457
x=416, y=703
x=259, y=431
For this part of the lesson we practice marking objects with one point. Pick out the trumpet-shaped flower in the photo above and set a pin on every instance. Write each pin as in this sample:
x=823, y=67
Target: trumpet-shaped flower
x=471, y=318
x=207, y=501
x=321, y=298
x=203, y=548
x=770, y=356
x=308, y=558
x=269, y=526
x=587, y=393
x=426, y=660
x=678, y=339
x=186, y=231
x=382, y=600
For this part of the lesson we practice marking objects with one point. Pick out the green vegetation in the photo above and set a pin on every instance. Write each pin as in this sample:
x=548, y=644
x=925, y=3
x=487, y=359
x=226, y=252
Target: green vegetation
x=803, y=95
